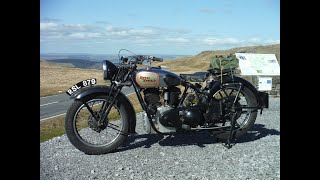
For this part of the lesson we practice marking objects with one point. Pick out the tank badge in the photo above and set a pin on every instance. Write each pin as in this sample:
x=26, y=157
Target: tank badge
x=148, y=79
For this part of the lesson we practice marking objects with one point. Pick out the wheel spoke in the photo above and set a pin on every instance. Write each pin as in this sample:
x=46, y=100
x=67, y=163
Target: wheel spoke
x=90, y=130
x=112, y=125
x=227, y=95
x=231, y=92
x=115, y=129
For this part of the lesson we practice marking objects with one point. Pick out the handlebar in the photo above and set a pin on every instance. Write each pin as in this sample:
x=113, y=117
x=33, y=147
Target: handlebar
x=127, y=66
x=140, y=58
x=137, y=58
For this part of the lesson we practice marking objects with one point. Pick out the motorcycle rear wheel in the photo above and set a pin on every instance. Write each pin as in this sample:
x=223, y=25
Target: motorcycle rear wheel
x=89, y=137
x=245, y=118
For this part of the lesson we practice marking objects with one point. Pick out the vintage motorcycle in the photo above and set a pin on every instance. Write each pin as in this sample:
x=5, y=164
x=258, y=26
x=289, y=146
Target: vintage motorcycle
x=101, y=117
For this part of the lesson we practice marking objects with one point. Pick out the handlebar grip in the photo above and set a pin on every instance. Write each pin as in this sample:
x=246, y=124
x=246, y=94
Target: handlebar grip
x=157, y=59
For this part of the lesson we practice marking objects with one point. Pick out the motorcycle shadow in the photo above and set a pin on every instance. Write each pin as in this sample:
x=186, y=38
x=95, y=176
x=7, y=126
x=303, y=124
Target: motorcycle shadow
x=199, y=139
x=258, y=131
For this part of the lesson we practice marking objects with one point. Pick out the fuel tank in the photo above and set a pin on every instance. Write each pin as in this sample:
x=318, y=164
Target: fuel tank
x=152, y=77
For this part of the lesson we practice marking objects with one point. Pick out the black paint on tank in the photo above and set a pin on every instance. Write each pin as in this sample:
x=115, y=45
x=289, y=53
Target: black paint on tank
x=171, y=80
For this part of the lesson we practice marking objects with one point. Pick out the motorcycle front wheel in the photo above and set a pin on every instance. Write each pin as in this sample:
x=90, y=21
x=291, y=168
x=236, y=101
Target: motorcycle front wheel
x=91, y=137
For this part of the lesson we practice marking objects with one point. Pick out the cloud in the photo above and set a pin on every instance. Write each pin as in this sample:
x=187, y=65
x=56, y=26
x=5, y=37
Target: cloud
x=177, y=40
x=270, y=41
x=55, y=30
x=48, y=26
x=234, y=41
x=55, y=27
x=218, y=41
x=85, y=35
x=116, y=32
x=257, y=41
x=55, y=33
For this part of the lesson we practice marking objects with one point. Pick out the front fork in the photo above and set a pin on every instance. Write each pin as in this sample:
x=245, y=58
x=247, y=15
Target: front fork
x=104, y=108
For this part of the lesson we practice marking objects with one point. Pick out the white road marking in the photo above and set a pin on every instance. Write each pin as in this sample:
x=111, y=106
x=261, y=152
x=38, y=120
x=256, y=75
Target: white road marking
x=49, y=103
x=49, y=96
x=52, y=117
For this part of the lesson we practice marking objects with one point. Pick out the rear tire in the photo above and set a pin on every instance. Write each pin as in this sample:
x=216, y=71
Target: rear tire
x=86, y=136
x=247, y=98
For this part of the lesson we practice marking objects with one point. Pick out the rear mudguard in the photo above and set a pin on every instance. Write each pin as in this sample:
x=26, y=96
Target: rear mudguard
x=87, y=92
x=246, y=83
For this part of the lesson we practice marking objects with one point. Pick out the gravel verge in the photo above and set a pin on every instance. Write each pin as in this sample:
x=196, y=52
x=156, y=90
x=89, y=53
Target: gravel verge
x=256, y=155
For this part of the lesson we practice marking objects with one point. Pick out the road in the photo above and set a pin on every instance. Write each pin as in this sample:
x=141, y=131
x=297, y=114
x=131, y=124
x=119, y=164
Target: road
x=57, y=105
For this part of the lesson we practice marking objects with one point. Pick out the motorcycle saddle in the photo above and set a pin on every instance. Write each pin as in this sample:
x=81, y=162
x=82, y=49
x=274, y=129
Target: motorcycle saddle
x=195, y=77
x=216, y=71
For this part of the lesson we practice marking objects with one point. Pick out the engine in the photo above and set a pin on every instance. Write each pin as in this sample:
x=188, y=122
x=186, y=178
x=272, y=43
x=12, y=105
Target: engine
x=166, y=115
x=152, y=99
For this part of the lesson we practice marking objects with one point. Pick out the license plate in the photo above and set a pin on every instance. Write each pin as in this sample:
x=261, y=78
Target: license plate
x=81, y=84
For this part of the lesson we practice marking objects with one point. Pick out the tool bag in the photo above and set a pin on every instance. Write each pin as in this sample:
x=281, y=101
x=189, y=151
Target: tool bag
x=223, y=62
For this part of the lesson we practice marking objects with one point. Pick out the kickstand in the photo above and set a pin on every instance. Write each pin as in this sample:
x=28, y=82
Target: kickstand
x=231, y=136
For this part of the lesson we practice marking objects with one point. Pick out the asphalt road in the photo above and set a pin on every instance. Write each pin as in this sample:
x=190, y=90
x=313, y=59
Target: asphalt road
x=57, y=105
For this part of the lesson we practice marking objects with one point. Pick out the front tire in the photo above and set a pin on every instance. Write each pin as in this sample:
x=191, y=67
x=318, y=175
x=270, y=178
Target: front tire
x=86, y=135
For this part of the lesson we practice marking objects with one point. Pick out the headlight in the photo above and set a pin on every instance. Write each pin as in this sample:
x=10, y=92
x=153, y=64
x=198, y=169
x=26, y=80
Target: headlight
x=104, y=65
x=109, y=70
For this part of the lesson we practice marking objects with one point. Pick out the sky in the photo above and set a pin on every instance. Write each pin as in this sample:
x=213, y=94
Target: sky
x=180, y=27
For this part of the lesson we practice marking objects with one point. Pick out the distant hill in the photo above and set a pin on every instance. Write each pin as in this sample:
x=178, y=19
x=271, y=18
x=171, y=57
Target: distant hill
x=185, y=64
x=200, y=62
x=78, y=63
x=89, y=61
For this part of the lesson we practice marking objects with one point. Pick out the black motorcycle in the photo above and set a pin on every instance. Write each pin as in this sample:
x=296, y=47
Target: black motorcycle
x=101, y=117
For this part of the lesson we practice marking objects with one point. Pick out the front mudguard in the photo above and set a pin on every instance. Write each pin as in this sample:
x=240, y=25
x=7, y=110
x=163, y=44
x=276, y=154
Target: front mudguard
x=86, y=93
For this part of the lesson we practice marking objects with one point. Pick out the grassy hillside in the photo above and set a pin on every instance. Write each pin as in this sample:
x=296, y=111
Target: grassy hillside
x=57, y=78
x=200, y=62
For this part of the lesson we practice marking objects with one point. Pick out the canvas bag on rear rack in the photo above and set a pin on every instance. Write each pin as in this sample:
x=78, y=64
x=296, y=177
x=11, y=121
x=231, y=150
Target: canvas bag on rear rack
x=223, y=62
